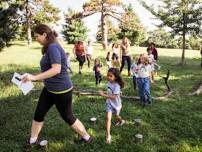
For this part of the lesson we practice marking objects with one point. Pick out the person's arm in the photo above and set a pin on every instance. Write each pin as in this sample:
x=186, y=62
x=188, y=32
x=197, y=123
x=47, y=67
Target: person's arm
x=54, y=70
x=112, y=96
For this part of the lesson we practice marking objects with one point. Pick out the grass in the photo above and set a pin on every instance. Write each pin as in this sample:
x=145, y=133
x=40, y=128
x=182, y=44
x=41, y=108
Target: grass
x=173, y=125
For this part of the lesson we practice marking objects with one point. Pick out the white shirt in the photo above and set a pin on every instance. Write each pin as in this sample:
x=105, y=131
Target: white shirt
x=144, y=70
x=151, y=58
x=114, y=88
x=116, y=51
x=89, y=50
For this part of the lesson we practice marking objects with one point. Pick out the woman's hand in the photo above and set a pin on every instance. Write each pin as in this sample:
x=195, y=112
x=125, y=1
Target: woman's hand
x=28, y=77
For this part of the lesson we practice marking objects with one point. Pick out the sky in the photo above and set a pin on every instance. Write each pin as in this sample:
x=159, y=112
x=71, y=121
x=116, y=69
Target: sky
x=92, y=22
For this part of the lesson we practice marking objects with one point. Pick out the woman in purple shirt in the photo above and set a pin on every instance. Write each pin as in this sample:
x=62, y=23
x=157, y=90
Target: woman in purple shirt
x=57, y=86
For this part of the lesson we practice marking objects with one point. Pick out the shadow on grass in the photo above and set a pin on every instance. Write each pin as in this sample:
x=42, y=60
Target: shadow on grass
x=164, y=124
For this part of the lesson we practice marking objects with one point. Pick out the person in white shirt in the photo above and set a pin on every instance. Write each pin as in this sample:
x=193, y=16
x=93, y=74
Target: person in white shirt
x=144, y=79
x=134, y=73
x=89, y=52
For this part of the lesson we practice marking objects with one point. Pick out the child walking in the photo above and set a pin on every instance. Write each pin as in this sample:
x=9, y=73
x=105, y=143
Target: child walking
x=135, y=75
x=143, y=80
x=97, y=70
x=113, y=102
x=69, y=62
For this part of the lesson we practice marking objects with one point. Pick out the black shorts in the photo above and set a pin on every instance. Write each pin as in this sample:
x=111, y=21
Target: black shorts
x=81, y=59
x=63, y=103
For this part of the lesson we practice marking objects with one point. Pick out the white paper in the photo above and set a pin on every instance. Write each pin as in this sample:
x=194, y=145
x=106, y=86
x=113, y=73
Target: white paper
x=24, y=87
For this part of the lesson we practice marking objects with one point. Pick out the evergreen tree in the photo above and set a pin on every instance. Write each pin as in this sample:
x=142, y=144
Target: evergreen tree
x=106, y=8
x=74, y=30
x=131, y=27
x=9, y=21
x=182, y=16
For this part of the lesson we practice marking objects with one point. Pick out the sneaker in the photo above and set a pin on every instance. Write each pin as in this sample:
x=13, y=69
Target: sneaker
x=83, y=141
x=117, y=123
x=29, y=146
x=122, y=122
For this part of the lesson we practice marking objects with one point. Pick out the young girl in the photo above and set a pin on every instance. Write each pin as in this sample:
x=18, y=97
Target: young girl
x=108, y=60
x=96, y=69
x=143, y=80
x=69, y=62
x=113, y=102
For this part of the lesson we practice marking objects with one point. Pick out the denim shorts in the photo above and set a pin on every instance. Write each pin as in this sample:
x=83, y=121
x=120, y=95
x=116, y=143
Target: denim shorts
x=110, y=108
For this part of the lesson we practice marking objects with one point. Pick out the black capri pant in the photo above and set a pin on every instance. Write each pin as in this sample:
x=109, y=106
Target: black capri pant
x=81, y=59
x=63, y=103
x=124, y=59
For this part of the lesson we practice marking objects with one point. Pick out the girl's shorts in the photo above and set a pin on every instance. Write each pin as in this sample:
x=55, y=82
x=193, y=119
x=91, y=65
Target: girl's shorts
x=110, y=108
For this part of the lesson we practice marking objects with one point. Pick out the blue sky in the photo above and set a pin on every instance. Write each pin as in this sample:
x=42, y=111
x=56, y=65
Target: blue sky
x=92, y=22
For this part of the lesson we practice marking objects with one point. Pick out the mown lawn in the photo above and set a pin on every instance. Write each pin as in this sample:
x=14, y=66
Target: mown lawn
x=173, y=125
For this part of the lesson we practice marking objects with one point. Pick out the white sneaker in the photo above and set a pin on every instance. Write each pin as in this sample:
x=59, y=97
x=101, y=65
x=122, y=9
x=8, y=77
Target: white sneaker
x=122, y=122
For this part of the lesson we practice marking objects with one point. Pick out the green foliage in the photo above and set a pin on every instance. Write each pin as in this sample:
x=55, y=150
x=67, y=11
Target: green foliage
x=131, y=27
x=74, y=30
x=112, y=32
x=9, y=21
x=195, y=42
x=162, y=39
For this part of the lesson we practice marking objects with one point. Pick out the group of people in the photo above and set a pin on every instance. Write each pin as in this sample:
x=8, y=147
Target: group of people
x=58, y=85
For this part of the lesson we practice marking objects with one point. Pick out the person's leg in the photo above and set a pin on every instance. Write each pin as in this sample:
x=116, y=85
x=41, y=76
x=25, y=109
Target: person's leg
x=129, y=64
x=134, y=82
x=88, y=59
x=141, y=89
x=44, y=104
x=100, y=78
x=122, y=63
x=147, y=91
x=96, y=79
x=64, y=106
x=108, y=126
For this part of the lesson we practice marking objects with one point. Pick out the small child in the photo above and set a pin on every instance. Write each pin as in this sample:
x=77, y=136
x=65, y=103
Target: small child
x=97, y=69
x=135, y=75
x=151, y=62
x=69, y=63
x=144, y=79
x=108, y=60
x=113, y=102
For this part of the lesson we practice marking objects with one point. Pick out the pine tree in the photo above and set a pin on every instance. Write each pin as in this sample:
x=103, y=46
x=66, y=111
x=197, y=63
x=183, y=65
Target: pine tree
x=131, y=27
x=74, y=30
x=9, y=21
x=182, y=16
x=106, y=8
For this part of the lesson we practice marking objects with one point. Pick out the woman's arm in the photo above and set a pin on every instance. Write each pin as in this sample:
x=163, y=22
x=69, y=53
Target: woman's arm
x=54, y=70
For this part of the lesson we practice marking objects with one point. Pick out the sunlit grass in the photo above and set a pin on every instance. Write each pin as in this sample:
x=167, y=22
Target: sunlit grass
x=173, y=125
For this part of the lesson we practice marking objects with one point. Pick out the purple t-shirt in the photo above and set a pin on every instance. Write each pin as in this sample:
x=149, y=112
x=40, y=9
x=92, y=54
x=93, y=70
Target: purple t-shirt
x=56, y=55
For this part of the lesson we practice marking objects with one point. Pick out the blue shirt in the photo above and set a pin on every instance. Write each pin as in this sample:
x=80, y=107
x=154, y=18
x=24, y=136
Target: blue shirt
x=56, y=55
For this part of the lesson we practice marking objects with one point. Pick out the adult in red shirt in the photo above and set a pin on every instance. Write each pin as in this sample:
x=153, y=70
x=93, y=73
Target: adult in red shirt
x=80, y=54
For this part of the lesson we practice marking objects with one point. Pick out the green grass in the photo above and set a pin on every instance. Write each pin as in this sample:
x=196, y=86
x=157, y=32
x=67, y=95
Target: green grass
x=173, y=125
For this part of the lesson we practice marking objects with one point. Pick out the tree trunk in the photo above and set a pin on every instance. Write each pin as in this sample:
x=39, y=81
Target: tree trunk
x=182, y=62
x=29, y=20
x=104, y=31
